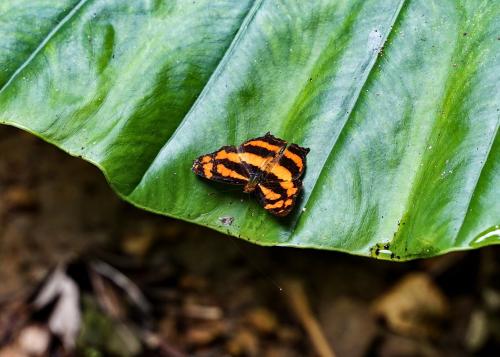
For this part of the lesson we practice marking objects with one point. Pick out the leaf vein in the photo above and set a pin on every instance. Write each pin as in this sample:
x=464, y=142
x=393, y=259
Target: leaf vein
x=354, y=101
x=474, y=189
x=44, y=42
x=218, y=69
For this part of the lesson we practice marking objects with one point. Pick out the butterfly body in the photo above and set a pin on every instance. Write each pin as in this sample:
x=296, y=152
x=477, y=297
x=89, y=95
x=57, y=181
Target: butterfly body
x=267, y=166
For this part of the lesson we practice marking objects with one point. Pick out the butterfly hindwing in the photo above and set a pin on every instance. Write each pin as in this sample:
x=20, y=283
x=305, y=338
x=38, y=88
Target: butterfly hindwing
x=281, y=183
x=278, y=197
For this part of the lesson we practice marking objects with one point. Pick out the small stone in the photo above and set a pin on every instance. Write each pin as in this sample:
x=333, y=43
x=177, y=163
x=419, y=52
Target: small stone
x=137, y=244
x=477, y=331
x=413, y=306
x=243, y=343
x=262, y=320
x=204, y=334
x=19, y=197
x=202, y=312
x=34, y=340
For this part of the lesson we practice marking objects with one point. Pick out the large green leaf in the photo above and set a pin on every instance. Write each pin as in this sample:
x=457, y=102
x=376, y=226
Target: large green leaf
x=398, y=100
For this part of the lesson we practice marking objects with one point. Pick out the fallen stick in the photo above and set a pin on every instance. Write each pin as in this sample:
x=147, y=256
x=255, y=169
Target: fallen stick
x=299, y=304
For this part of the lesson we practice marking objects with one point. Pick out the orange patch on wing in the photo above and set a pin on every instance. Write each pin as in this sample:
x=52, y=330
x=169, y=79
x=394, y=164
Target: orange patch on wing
x=288, y=202
x=269, y=194
x=278, y=204
x=206, y=159
x=224, y=171
x=253, y=159
x=231, y=156
x=264, y=145
x=281, y=173
x=290, y=188
x=286, y=184
x=207, y=169
x=295, y=158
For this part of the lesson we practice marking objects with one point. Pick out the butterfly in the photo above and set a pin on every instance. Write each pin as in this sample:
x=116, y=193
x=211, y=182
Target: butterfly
x=267, y=166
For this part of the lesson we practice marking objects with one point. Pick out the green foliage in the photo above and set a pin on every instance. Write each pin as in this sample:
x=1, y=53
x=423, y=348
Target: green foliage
x=398, y=100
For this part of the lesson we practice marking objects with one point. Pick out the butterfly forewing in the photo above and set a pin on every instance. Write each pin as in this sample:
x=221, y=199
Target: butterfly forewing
x=223, y=165
x=294, y=159
x=257, y=154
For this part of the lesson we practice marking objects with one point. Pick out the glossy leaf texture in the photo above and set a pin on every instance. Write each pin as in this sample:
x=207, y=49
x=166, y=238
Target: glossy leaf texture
x=399, y=102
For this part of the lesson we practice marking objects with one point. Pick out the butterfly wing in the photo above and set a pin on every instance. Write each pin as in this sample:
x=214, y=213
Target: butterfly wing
x=257, y=154
x=281, y=185
x=223, y=165
x=278, y=197
x=293, y=160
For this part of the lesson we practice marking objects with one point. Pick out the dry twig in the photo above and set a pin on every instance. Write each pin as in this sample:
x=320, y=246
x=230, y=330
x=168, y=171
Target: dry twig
x=300, y=306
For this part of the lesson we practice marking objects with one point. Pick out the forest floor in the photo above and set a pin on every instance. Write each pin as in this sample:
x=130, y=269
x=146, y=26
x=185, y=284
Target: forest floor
x=82, y=272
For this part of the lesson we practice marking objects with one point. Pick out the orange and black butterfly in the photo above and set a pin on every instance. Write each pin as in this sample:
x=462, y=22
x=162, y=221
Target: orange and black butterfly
x=266, y=165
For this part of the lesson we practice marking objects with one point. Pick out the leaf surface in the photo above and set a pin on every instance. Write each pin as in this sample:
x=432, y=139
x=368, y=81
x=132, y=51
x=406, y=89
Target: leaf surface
x=399, y=102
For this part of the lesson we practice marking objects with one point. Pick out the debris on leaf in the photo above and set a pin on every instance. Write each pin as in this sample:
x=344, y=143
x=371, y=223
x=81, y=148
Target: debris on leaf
x=226, y=220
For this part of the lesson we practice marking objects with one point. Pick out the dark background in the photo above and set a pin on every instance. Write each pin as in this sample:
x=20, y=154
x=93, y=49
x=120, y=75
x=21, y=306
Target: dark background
x=212, y=295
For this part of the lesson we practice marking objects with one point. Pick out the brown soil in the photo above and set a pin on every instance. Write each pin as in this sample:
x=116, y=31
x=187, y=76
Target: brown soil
x=213, y=295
